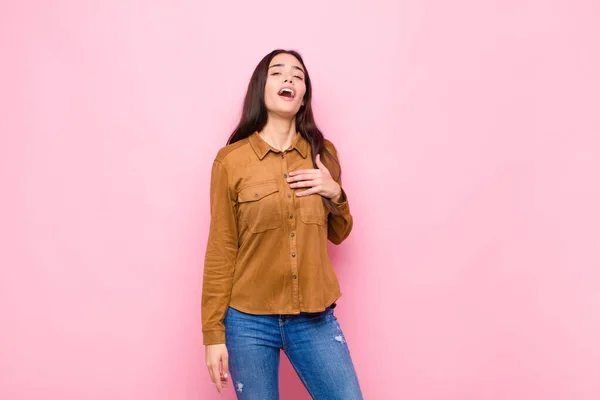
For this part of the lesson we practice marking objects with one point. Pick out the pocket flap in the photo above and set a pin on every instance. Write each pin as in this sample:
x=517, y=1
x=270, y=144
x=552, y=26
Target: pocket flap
x=257, y=192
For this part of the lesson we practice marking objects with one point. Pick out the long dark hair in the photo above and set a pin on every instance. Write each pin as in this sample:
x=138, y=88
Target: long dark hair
x=254, y=116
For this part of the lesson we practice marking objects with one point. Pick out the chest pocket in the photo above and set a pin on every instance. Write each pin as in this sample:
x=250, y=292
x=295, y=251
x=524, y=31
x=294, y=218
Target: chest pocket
x=312, y=209
x=259, y=206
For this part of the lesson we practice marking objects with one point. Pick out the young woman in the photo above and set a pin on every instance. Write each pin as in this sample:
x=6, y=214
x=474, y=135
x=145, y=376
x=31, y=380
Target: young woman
x=276, y=199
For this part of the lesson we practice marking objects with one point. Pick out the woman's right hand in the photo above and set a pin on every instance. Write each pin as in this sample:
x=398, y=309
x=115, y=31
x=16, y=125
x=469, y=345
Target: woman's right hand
x=217, y=361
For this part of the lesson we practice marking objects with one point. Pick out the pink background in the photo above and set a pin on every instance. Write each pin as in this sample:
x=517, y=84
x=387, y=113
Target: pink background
x=469, y=134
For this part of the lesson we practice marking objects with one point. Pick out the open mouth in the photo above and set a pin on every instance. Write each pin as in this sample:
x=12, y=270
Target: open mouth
x=287, y=92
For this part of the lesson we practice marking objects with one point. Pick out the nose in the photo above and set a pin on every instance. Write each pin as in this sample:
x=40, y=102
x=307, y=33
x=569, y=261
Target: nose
x=288, y=80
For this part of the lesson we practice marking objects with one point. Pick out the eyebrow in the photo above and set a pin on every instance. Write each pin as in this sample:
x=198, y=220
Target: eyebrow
x=283, y=65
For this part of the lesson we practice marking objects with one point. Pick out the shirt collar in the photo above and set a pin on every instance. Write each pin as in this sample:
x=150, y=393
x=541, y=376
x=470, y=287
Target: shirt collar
x=261, y=148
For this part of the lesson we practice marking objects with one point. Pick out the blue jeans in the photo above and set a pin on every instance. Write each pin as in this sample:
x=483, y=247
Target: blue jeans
x=313, y=342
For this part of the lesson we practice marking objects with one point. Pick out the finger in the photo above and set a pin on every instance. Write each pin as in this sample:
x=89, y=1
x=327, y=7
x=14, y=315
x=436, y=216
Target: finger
x=224, y=371
x=225, y=367
x=314, y=190
x=302, y=184
x=212, y=376
x=302, y=171
x=215, y=373
x=304, y=177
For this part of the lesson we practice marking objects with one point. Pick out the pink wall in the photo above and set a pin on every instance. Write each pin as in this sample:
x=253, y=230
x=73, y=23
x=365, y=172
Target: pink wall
x=474, y=268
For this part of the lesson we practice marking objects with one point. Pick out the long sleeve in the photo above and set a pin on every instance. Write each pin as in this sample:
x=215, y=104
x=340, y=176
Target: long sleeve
x=339, y=226
x=221, y=253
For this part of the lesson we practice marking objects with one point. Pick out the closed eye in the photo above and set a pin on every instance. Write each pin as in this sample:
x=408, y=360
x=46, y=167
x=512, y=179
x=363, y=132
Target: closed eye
x=279, y=73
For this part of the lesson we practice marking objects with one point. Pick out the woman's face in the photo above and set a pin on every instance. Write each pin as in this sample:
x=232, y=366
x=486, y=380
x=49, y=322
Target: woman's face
x=285, y=87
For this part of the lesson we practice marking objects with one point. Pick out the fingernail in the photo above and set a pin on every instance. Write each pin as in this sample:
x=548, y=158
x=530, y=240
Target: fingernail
x=226, y=375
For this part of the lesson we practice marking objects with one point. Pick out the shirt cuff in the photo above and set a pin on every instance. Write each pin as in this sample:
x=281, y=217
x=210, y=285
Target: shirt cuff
x=342, y=202
x=214, y=337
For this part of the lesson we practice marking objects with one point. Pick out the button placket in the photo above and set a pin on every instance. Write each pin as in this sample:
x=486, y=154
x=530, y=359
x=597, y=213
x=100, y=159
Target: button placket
x=289, y=201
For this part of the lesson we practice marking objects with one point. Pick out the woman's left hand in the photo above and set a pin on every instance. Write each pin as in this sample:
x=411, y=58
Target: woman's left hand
x=318, y=180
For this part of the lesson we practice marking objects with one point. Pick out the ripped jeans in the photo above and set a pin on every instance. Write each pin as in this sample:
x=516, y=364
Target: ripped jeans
x=313, y=342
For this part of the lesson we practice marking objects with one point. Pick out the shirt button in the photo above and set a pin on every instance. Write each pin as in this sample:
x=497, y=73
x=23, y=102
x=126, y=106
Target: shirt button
x=283, y=156
x=293, y=254
x=289, y=196
x=255, y=194
x=292, y=234
x=294, y=276
x=285, y=175
x=291, y=216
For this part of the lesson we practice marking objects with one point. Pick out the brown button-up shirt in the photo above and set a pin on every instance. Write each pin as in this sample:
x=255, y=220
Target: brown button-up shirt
x=267, y=248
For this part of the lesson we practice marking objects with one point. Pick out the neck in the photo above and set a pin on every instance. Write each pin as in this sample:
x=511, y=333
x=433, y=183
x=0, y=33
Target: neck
x=279, y=132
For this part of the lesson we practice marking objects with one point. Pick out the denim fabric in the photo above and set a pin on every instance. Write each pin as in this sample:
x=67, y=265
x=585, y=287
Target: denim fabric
x=313, y=342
